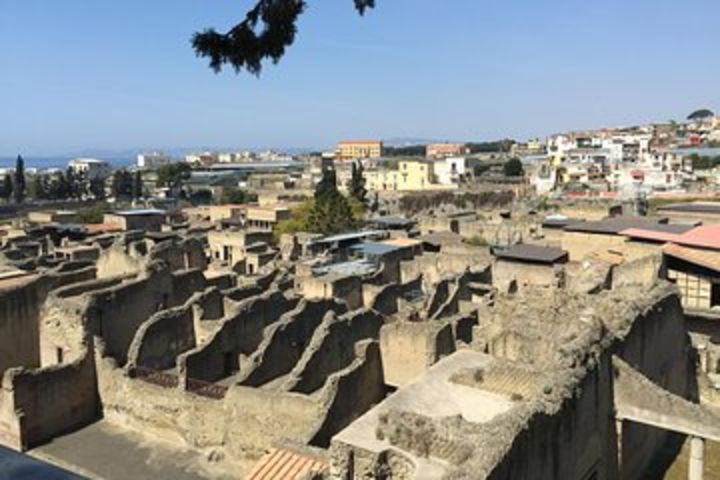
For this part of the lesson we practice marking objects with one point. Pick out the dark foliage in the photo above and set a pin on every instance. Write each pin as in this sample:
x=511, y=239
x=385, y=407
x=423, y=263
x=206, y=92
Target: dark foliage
x=234, y=195
x=513, y=168
x=356, y=185
x=414, y=204
x=701, y=114
x=704, y=162
x=267, y=30
x=137, y=186
x=173, y=175
x=331, y=212
x=122, y=184
x=6, y=188
x=18, y=189
x=408, y=151
x=498, y=146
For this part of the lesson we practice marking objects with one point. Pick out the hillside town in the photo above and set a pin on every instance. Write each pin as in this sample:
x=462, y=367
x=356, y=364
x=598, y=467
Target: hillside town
x=540, y=310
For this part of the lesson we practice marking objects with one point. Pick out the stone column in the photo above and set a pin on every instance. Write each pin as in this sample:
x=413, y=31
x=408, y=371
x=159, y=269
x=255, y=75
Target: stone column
x=697, y=454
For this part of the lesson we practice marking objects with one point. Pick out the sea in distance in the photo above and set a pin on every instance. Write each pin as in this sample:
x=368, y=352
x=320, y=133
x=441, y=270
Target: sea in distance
x=60, y=162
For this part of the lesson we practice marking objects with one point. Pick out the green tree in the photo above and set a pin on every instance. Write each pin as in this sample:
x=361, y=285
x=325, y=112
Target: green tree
x=122, y=184
x=19, y=180
x=137, y=186
x=57, y=188
x=72, y=184
x=513, y=168
x=701, y=114
x=173, y=175
x=235, y=195
x=375, y=205
x=267, y=30
x=356, y=185
x=38, y=188
x=6, y=189
x=97, y=188
x=331, y=212
x=298, y=221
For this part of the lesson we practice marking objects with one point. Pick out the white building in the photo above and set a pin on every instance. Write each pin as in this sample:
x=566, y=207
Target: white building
x=152, y=160
x=452, y=170
x=92, y=168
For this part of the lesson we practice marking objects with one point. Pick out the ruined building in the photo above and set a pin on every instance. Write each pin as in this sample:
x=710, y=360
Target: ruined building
x=356, y=358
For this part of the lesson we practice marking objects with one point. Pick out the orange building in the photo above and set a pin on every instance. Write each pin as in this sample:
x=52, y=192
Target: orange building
x=352, y=149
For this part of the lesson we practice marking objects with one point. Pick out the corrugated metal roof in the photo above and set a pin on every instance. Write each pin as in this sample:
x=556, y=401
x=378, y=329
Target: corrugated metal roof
x=349, y=236
x=374, y=248
x=283, y=464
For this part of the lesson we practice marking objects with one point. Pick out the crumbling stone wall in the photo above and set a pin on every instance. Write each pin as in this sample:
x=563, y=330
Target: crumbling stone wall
x=352, y=391
x=160, y=340
x=41, y=404
x=240, y=334
x=643, y=271
x=116, y=313
x=240, y=427
x=410, y=348
x=19, y=324
x=285, y=341
x=660, y=327
x=332, y=348
x=508, y=274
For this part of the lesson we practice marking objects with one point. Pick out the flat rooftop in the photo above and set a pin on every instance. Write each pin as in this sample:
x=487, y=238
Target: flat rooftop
x=533, y=254
x=433, y=395
x=615, y=225
x=693, y=207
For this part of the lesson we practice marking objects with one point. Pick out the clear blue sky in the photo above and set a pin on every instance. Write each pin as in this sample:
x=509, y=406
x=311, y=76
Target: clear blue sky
x=78, y=74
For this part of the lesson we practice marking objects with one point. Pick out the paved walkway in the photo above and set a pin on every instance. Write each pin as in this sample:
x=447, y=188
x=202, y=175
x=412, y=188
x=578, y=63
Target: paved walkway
x=104, y=451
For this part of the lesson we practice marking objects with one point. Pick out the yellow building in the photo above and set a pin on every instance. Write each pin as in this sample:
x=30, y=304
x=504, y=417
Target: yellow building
x=410, y=175
x=352, y=149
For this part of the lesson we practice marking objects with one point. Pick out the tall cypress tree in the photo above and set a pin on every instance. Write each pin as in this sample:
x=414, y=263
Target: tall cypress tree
x=19, y=183
x=357, y=183
x=137, y=187
x=331, y=212
x=6, y=188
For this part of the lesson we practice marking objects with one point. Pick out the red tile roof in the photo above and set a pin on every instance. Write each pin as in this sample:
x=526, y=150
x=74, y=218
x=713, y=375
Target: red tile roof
x=283, y=464
x=704, y=258
x=707, y=236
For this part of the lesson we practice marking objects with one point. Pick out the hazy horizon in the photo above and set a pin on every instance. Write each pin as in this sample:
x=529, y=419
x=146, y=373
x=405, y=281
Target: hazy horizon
x=84, y=75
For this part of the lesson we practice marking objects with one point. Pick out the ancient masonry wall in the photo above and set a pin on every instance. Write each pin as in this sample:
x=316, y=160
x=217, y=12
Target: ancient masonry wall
x=331, y=348
x=242, y=425
x=19, y=325
x=240, y=334
x=352, y=391
x=285, y=342
x=657, y=346
x=574, y=441
x=38, y=405
x=160, y=340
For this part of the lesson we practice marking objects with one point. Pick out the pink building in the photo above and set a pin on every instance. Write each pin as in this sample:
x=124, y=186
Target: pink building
x=441, y=150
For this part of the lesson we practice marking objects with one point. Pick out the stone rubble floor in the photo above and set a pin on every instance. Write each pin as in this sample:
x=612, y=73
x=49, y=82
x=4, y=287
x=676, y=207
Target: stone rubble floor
x=107, y=452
